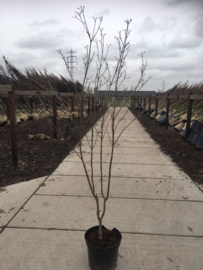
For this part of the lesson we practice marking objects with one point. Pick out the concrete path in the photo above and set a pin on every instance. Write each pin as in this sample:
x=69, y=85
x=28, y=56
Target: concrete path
x=152, y=202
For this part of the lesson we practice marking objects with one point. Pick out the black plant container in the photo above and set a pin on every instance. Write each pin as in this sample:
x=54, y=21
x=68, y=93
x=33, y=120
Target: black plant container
x=162, y=121
x=183, y=133
x=195, y=139
x=199, y=127
x=192, y=134
x=162, y=112
x=194, y=124
x=200, y=143
x=102, y=258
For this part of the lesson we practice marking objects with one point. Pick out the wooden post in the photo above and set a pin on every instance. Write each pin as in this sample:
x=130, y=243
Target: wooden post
x=189, y=114
x=8, y=114
x=140, y=103
x=156, y=109
x=149, y=103
x=167, y=110
x=13, y=128
x=93, y=105
x=54, y=118
x=144, y=104
x=82, y=101
x=88, y=106
x=177, y=97
x=31, y=104
x=72, y=104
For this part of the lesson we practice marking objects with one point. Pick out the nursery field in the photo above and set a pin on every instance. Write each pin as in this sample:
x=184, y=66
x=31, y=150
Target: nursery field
x=36, y=158
x=184, y=154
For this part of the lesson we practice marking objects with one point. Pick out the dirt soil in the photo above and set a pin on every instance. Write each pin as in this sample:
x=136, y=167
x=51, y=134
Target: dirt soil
x=109, y=238
x=36, y=158
x=183, y=153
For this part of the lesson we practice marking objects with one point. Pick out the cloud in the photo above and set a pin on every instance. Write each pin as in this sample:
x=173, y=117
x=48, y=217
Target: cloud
x=103, y=12
x=150, y=25
x=198, y=27
x=37, y=24
x=43, y=40
x=175, y=3
x=187, y=42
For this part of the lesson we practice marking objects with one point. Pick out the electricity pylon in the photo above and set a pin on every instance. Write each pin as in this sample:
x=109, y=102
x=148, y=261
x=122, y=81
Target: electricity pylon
x=70, y=62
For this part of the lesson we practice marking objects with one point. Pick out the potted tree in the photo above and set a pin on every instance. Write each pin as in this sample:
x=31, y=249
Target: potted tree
x=102, y=243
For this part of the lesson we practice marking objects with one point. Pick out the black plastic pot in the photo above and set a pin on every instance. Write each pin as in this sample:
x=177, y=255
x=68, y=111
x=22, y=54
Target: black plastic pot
x=162, y=121
x=199, y=127
x=162, y=112
x=183, y=133
x=192, y=134
x=194, y=124
x=200, y=143
x=145, y=112
x=102, y=258
x=195, y=139
x=149, y=112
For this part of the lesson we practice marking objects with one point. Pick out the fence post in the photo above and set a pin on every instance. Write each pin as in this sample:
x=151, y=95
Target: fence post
x=149, y=103
x=8, y=114
x=189, y=114
x=82, y=101
x=144, y=104
x=31, y=104
x=54, y=118
x=93, y=105
x=11, y=97
x=88, y=106
x=167, y=110
x=72, y=104
x=157, y=101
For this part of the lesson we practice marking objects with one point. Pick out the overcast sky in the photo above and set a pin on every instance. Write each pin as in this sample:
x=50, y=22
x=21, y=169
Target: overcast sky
x=170, y=32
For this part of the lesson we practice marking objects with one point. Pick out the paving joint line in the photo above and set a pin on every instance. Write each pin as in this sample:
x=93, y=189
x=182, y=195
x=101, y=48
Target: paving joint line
x=123, y=232
x=112, y=197
x=122, y=146
x=160, y=154
x=119, y=163
x=134, y=177
x=5, y=226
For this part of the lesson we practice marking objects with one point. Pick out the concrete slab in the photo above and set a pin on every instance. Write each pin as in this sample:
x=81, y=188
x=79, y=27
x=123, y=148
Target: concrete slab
x=142, y=216
x=66, y=250
x=14, y=197
x=124, y=187
x=158, y=208
x=124, y=170
x=120, y=158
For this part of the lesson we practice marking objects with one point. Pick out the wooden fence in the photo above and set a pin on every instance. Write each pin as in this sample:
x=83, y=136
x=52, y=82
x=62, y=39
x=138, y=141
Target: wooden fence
x=6, y=91
x=168, y=97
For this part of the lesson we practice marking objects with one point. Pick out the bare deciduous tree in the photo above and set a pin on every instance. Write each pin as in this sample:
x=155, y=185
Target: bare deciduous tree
x=112, y=77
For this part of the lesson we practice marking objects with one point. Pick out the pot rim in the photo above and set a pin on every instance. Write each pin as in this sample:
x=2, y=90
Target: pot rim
x=101, y=247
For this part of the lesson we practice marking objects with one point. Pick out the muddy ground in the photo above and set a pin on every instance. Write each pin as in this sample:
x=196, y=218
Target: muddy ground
x=36, y=158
